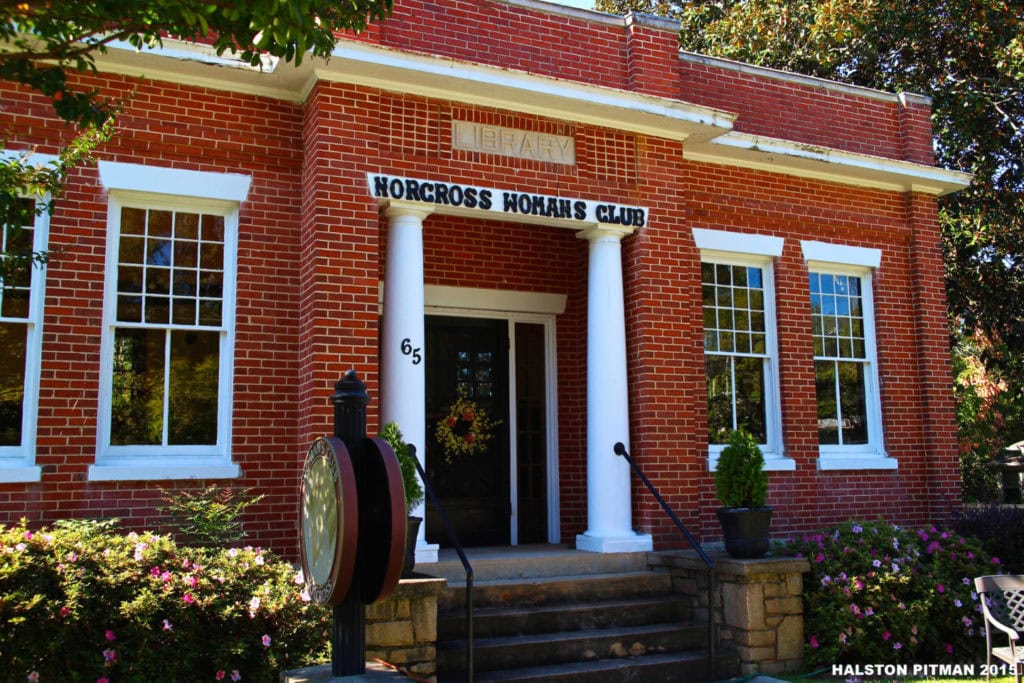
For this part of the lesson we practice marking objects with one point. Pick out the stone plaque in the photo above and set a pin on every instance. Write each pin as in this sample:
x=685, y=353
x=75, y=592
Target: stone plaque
x=511, y=142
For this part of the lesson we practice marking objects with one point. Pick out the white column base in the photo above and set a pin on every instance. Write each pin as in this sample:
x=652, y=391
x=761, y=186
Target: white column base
x=634, y=543
x=426, y=553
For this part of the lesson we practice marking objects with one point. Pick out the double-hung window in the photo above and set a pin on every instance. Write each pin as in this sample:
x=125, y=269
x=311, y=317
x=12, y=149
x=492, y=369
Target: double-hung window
x=845, y=361
x=168, y=337
x=22, y=233
x=740, y=349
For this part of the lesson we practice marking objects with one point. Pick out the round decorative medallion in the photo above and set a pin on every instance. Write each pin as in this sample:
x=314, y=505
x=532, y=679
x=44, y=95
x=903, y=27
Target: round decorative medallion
x=329, y=521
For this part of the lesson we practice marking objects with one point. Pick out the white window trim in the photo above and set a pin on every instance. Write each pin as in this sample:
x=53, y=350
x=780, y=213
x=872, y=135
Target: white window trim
x=857, y=262
x=18, y=463
x=151, y=187
x=733, y=248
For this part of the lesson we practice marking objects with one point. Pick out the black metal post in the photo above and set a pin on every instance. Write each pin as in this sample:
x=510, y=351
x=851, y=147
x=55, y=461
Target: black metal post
x=348, y=636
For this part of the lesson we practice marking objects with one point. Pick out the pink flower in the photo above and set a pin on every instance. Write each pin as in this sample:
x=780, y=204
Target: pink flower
x=33, y=677
x=814, y=642
x=819, y=558
x=188, y=598
x=167, y=625
x=103, y=679
x=948, y=648
x=220, y=675
x=64, y=611
x=995, y=560
x=166, y=577
x=110, y=635
x=299, y=578
x=265, y=640
x=886, y=636
x=27, y=535
x=235, y=676
x=109, y=656
x=192, y=581
x=940, y=588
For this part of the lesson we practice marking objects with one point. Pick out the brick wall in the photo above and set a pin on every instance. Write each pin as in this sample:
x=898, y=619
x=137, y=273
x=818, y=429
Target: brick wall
x=311, y=255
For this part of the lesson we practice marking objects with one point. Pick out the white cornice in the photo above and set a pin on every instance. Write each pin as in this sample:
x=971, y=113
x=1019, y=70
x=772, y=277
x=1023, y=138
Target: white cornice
x=445, y=78
x=708, y=132
x=825, y=163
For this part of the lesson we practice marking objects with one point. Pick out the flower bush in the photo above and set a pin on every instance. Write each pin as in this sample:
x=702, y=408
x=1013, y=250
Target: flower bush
x=878, y=593
x=82, y=602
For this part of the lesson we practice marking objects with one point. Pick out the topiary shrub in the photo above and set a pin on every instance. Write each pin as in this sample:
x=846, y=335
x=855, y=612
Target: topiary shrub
x=879, y=593
x=83, y=602
x=740, y=479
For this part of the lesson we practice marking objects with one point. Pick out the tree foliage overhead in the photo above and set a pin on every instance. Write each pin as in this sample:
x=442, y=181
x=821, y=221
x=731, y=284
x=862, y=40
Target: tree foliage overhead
x=43, y=43
x=968, y=56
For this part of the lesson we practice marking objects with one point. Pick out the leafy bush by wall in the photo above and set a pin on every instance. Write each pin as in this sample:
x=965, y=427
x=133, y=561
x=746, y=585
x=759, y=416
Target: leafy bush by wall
x=82, y=602
x=878, y=593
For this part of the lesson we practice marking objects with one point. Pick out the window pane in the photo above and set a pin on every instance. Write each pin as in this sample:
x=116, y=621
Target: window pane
x=828, y=416
x=852, y=403
x=13, y=340
x=750, y=400
x=133, y=221
x=138, y=387
x=719, y=398
x=194, y=387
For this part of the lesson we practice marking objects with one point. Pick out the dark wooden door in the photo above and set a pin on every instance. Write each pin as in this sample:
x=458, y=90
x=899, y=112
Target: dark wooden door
x=470, y=356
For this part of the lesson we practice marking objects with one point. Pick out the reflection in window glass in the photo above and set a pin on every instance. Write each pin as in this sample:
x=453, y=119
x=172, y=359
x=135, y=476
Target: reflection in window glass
x=169, y=328
x=735, y=350
x=17, y=241
x=840, y=358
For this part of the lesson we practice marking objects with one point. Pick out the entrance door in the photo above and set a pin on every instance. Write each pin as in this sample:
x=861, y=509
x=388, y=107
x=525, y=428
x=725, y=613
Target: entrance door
x=469, y=357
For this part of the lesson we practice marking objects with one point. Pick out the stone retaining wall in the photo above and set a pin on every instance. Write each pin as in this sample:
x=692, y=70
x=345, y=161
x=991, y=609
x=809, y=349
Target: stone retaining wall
x=757, y=605
x=402, y=630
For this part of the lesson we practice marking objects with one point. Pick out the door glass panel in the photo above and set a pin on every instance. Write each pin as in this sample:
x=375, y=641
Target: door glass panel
x=531, y=433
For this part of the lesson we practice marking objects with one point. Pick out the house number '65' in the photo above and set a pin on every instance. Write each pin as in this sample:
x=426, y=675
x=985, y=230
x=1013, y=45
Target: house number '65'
x=407, y=350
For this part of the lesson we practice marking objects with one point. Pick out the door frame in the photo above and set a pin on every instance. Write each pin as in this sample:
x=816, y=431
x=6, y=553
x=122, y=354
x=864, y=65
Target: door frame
x=515, y=307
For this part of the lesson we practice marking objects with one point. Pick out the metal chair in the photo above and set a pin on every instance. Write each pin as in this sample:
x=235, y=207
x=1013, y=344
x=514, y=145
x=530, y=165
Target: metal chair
x=1002, y=600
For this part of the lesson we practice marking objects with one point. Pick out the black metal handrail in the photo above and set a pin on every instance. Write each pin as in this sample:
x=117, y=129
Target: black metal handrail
x=620, y=449
x=462, y=557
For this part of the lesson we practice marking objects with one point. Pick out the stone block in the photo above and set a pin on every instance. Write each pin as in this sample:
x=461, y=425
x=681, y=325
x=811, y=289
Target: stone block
x=795, y=584
x=784, y=605
x=756, y=638
x=744, y=605
x=424, y=622
x=390, y=633
x=380, y=611
x=790, y=638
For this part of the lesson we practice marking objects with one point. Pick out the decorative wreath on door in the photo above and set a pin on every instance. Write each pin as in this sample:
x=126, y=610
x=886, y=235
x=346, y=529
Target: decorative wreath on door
x=465, y=430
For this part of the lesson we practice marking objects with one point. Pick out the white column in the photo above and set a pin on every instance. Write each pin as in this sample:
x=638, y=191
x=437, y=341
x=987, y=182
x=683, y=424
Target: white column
x=403, y=392
x=609, y=512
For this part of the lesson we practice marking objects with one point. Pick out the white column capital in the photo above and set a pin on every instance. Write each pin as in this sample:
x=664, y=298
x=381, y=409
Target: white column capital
x=605, y=231
x=395, y=209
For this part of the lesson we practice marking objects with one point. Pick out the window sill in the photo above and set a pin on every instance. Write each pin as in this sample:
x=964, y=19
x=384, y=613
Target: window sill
x=772, y=462
x=868, y=461
x=151, y=471
x=20, y=474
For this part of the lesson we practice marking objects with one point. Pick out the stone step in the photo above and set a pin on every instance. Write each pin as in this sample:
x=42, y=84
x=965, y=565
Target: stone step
x=500, y=621
x=675, y=667
x=556, y=589
x=531, y=562
x=505, y=652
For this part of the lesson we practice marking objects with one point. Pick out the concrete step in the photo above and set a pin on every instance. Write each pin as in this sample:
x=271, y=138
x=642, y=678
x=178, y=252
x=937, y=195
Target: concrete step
x=535, y=591
x=531, y=561
x=503, y=621
x=506, y=652
x=675, y=667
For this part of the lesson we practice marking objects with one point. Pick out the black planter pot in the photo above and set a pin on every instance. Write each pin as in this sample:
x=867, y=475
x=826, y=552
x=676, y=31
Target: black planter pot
x=745, y=531
x=412, y=530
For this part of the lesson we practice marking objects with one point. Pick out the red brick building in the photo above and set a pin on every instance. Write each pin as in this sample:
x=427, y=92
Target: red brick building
x=591, y=235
